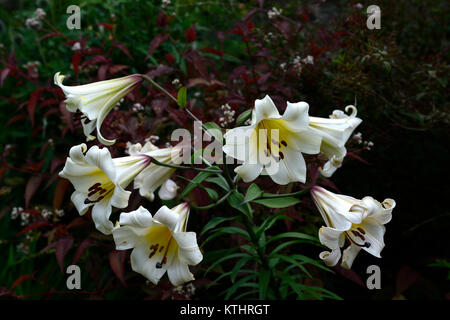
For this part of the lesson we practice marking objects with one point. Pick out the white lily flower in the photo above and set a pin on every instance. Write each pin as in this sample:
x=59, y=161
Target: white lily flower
x=272, y=143
x=95, y=100
x=160, y=243
x=100, y=181
x=360, y=222
x=335, y=132
x=156, y=176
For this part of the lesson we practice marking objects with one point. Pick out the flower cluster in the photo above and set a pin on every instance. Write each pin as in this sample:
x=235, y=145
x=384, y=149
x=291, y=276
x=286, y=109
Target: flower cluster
x=268, y=144
x=228, y=115
x=274, y=12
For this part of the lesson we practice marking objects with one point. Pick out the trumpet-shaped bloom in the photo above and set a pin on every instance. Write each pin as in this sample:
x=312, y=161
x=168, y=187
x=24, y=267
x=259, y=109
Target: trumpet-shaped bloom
x=100, y=181
x=335, y=132
x=95, y=100
x=273, y=144
x=156, y=176
x=360, y=222
x=160, y=243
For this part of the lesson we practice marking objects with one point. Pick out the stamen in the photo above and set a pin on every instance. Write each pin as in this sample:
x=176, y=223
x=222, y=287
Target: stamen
x=95, y=186
x=361, y=230
x=281, y=155
x=284, y=143
x=164, y=259
x=153, y=250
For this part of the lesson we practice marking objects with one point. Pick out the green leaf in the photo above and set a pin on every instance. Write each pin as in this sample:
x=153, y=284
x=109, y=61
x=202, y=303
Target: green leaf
x=215, y=222
x=236, y=199
x=317, y=263
x=213, y=195
x=253, y=192
x=234, y=230
x=285, y=245
x=214, y=130
x=238, y=267
x=297, y=235
x=227, y=257
x=277, y=202
x=220, y=181
x=295, y=263
x=182, y=97
x=244, y=116
x=264, y=280
x=194, y=182
x=244, y=282
x=269, y=222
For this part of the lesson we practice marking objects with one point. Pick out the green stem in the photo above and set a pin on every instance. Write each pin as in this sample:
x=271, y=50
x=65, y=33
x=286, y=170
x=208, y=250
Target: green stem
x=183, y=167
x=214, y=204
x=264, y=260
x=269, y=196
x=174, y=100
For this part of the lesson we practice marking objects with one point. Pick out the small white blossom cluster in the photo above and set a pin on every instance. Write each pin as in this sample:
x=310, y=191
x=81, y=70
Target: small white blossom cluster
x=40, y=13
x=298, y=62
x=187, y=291
x=274, y=12
x=176, y=82
x=16, y=212
x=137, y=107
x=34, y=22
x=19, y=212
x=269, y=37
x=228, y=115
x=47, y=214
x=31, y=65
x=23, y=247
x=165, y=4
x=76, y=46
x=357, y=137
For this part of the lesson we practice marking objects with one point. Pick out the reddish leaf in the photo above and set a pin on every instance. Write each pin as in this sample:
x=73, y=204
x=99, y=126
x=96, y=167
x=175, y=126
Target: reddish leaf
x=32, y=102
x=82, y=248
x=31, y=188
x=198, y=62
x=117, y=261
x=3, y=76
x=155, y=43
x=405, y=279
x=102, y=71
x=49, y=35
x=123, y=48
x=76, y=59
x=17, y=118
x=66, y=115
x=117, y=68
x=214, y=51
x=350, y=275
x=62, y=247
x=354, y=156
x=19, y=280
x=190, y=34
x=169, y=58
x=60, y=191
x=33, y=226
x=161, y=19
x=106, y=25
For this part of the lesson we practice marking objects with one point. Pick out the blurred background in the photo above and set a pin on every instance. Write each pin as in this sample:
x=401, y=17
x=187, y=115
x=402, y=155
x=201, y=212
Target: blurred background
x=225, y=52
